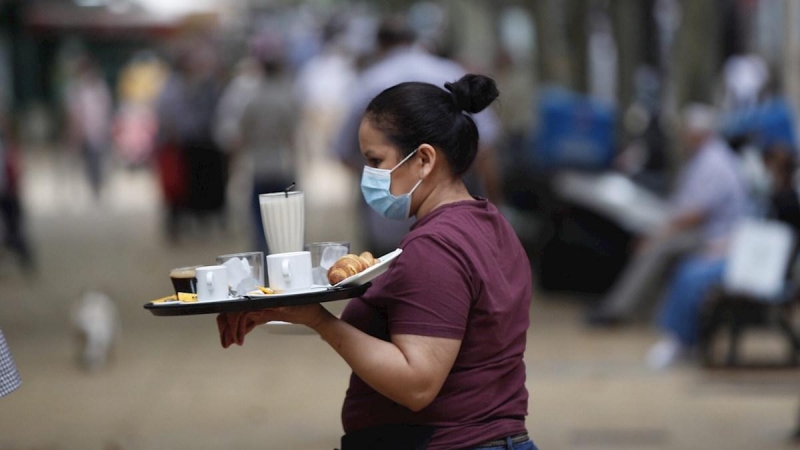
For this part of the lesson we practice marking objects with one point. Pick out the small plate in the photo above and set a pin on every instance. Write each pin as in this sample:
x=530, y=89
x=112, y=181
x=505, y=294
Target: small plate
x=371, y=273
x=311, y=290
x=279, y=327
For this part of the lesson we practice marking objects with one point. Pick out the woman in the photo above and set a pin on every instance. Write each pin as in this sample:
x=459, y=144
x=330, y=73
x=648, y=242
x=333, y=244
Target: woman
x=436, y=344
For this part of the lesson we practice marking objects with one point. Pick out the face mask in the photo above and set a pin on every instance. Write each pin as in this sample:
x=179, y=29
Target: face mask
x=375, y=184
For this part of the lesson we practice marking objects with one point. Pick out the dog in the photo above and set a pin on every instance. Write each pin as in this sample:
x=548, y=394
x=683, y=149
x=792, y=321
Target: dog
x=95, y=320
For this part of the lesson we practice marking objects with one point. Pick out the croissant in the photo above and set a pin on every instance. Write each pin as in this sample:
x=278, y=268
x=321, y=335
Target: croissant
x=367, y=256
x=349, y=265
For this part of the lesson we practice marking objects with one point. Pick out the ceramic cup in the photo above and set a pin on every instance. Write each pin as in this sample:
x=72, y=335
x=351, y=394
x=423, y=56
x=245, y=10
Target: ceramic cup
x=212, y=283
x=289, y=271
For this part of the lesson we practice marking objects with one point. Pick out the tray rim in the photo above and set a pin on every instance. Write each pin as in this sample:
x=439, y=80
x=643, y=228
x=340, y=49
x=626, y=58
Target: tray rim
x=246, y=303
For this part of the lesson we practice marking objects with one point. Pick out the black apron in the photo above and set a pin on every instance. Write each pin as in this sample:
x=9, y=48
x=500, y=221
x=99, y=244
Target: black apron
x=389, y=437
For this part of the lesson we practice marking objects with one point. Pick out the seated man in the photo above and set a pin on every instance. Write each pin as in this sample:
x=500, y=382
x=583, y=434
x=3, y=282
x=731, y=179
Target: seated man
x=697, y=275
x=710, y=196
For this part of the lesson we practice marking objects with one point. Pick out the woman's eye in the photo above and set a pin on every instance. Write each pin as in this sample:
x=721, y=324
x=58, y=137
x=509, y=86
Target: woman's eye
x=374, y=162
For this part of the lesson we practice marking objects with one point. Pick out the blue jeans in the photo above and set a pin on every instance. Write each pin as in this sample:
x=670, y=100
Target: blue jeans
x=527, y=445
x=689, y=286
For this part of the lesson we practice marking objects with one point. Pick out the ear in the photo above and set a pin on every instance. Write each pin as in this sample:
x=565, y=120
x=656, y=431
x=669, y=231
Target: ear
x=427, y=155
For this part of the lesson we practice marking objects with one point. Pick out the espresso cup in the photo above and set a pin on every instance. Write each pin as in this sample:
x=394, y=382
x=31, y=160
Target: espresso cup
x=212, y=283
x=184, y=279
x=289, y=271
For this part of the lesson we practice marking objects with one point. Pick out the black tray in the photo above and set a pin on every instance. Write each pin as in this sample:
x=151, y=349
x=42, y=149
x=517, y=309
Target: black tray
x=256, y=303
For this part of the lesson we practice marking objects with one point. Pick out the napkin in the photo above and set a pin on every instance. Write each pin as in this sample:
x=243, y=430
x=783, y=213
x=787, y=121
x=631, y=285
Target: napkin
x=238, y=270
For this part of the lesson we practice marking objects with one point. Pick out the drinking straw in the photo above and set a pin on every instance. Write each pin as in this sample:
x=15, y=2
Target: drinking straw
x=288, y=188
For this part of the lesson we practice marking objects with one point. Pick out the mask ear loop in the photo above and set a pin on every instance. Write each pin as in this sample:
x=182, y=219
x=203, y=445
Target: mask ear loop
x=404, y=160
x=415, y=187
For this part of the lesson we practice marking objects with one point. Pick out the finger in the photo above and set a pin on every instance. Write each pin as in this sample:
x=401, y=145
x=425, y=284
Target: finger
x=241, y=329
x=222, y=326
x=232, y=326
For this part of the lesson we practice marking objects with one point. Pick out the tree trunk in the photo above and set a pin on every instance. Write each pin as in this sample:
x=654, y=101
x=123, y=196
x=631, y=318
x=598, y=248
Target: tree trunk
x=698, y=52
x=577, y=23
x=627, y=19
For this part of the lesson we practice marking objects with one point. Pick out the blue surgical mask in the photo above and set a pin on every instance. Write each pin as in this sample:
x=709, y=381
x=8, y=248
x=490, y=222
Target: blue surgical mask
x=375, y=184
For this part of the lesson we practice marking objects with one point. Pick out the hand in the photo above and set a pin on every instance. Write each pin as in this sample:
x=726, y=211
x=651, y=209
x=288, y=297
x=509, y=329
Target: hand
x=233, y=327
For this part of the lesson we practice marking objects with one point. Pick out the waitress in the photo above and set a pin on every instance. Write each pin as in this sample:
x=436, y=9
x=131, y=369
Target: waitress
x=436, y=345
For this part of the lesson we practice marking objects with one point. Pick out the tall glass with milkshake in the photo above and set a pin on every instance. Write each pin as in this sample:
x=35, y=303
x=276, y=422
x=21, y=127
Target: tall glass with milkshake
x=283, y=216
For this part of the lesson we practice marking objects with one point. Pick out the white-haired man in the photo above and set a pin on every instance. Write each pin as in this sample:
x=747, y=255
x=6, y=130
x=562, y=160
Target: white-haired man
x=710, y=196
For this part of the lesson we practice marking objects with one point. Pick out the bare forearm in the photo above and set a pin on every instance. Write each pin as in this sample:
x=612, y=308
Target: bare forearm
x=685, y=222
x=382, y=365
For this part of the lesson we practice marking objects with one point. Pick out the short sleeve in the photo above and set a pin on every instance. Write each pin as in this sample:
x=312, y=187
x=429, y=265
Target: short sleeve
x=429, y=288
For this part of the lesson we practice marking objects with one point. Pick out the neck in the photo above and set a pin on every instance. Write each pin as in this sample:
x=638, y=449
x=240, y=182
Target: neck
x=443, y=193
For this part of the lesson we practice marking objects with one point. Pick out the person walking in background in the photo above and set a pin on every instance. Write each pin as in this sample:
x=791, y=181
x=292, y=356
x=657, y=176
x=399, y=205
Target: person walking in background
x=11, y=210
x=710, y=197
x=89, y=108
x=136, y=126
x=256, y=121
x=399, y=60
x=192, y=164
x=322, y=86
x=9, y=377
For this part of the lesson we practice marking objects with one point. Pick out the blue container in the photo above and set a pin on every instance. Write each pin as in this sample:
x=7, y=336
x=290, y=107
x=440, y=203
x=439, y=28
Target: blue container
x=575, y=131
x=771, y=123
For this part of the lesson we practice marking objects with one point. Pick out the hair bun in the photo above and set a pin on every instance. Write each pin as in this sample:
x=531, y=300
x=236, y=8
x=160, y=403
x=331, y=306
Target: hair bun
x=473, y=93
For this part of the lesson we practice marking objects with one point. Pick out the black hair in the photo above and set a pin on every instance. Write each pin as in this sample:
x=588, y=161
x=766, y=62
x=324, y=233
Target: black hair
x=412, y=114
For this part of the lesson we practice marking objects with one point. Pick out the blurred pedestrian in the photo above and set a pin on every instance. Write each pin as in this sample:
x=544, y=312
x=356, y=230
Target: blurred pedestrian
x=9, y=377
x=136, y=124
x=709, y=198
x=194, y=170
x=256, y=119
x=400, y=60
x=11, y=211
x=744, y=78
x=89, y=108
x=322, y=86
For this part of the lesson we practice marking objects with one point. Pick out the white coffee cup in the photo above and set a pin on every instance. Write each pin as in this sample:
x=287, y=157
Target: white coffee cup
x=289, y=271
x=283, y=217
x=212, y=283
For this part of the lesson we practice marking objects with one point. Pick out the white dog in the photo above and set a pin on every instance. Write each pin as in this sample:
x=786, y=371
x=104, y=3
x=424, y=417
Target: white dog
x=95, y=319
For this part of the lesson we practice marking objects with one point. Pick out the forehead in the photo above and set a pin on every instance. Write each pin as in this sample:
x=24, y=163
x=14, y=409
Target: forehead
x=373, y=140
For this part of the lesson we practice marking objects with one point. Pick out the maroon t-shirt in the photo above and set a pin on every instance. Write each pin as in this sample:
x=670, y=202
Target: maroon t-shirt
x=463, y=274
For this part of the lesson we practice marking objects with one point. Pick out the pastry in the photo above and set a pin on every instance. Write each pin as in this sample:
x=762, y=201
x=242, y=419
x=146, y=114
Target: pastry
x=349, y=265
x=367, y=256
